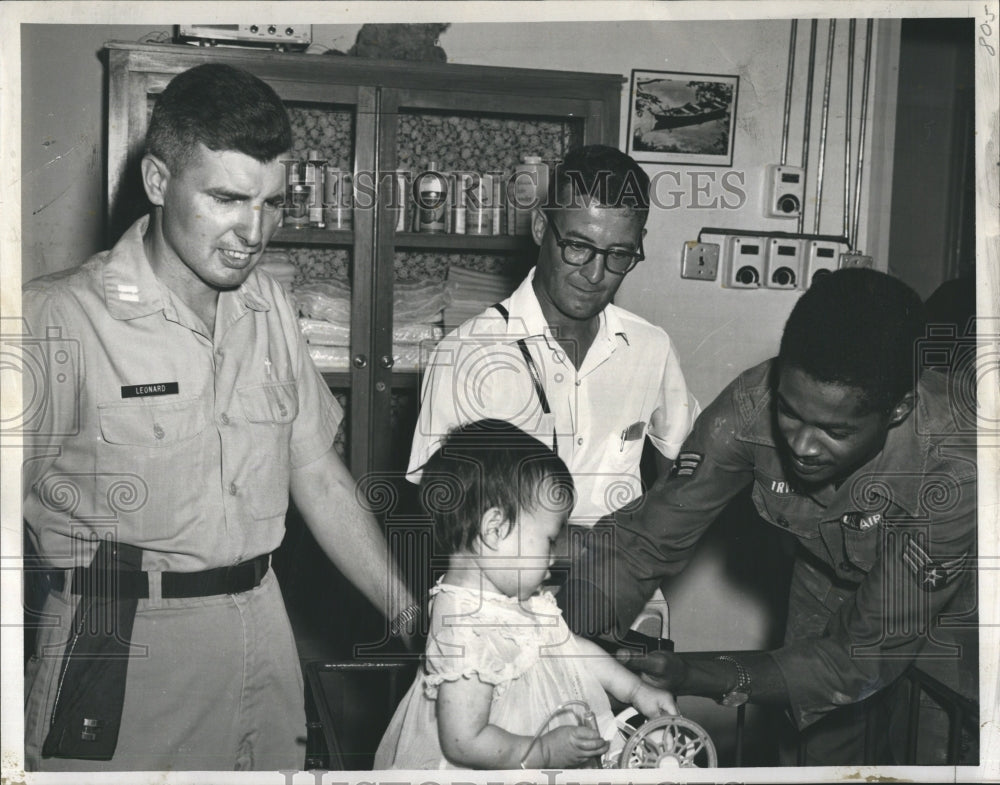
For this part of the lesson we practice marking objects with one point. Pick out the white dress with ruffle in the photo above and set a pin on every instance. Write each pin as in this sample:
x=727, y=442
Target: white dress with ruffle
x=522, y=647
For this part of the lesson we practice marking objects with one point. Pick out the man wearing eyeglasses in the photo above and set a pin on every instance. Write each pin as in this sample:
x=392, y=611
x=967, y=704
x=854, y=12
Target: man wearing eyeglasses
x=557, y=358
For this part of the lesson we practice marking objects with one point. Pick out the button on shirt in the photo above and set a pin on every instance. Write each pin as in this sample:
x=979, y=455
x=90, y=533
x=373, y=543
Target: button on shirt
x=197, y=477
x=629, y=385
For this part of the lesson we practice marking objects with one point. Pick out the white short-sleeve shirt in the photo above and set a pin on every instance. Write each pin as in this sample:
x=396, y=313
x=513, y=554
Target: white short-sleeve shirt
x=629, y=385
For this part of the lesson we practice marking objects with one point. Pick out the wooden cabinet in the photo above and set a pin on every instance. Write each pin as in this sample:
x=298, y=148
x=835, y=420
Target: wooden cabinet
x=374, y=116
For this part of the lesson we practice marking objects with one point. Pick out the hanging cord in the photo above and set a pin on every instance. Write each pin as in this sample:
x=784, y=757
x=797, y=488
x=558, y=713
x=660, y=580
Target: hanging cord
x=788, y=91
x=588, y=719
x=862, y=132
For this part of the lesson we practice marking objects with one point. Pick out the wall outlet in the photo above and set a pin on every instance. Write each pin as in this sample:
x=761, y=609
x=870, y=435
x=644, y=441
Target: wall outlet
x=822, y=257
x=700, y=260
x=786, y=186
x=784, y=263
x=854, y=259
x=744, y=262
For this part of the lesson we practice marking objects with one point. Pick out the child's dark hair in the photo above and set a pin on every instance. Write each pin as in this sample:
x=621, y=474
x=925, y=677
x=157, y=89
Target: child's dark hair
x=487, y=464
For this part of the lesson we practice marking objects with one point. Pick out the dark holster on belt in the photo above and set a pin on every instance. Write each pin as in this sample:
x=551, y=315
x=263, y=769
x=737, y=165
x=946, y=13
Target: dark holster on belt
x=91, y=690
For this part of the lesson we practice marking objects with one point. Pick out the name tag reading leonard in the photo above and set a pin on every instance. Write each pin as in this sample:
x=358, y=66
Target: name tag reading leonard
x=145, y=390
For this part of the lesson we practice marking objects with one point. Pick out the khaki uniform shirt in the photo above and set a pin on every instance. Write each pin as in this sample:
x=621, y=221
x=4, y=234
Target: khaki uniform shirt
x=180, y=441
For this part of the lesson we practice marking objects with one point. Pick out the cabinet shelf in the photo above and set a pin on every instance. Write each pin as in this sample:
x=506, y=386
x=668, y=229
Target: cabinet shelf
x=344, y=238
x=462, y=242
x=330, y=238
x=341, y=380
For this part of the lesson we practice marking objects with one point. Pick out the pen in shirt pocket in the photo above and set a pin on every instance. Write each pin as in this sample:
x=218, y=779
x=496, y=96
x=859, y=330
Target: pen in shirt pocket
x=632, y=433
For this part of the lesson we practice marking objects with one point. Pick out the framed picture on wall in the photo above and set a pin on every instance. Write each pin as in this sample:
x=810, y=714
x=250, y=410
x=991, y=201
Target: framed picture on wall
x=682, y=118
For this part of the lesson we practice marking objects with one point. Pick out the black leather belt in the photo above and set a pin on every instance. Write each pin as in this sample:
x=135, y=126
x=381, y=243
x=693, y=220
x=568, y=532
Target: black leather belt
x=124, y=584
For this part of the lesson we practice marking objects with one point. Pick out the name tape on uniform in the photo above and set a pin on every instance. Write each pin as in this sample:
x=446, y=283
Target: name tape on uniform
x=146, y=390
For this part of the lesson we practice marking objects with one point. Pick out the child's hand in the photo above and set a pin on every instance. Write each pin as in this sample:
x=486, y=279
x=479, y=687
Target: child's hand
x=652, y=702
x=570, y=747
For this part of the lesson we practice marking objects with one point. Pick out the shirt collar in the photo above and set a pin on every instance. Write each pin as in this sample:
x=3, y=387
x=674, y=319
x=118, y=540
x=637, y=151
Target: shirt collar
x=527, y=320
x=906, y=457
x=131, y=288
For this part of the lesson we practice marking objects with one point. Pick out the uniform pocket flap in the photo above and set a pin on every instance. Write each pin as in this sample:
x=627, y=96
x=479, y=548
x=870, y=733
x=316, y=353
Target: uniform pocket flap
x=275, y=402
x=861, y=546
x=151, y=425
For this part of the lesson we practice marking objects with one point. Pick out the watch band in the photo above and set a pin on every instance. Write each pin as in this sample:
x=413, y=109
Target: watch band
x=739, y=694
x=398, y=625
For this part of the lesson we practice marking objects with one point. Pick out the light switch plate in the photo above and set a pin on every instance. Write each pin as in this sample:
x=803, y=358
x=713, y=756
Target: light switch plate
x=700, y=261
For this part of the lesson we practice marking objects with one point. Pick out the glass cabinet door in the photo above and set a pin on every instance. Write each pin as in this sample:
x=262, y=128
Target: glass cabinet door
x=450, y=262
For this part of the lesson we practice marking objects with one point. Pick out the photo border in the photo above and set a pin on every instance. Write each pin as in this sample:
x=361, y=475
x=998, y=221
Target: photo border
x=688, y=159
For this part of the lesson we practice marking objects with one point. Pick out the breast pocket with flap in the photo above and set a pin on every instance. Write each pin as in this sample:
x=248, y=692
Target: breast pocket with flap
x=152, y=462
x=270, y=410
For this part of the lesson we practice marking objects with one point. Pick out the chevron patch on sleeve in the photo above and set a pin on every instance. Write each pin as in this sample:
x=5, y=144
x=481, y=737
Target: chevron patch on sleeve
x=931, y=575
x=687, y=463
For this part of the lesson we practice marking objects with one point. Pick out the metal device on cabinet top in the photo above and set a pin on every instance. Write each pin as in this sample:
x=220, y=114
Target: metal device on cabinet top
x=283, y=37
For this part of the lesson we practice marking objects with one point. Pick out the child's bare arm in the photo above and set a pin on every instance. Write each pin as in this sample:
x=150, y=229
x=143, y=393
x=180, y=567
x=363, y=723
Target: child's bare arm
x=625, y=685
x=467, y=738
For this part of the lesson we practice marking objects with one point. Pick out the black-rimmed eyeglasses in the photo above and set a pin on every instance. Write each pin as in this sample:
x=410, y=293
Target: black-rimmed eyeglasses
x=578, y=253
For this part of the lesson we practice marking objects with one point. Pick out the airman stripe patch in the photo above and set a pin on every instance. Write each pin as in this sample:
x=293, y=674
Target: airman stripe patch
x=687, y=463
x=931, y=575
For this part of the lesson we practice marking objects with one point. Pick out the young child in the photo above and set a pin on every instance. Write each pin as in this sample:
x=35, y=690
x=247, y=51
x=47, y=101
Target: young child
x=500, y=659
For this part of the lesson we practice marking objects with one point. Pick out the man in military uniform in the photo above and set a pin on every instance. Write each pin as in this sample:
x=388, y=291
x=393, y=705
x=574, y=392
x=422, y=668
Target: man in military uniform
x=181, y=413
x=856, y=455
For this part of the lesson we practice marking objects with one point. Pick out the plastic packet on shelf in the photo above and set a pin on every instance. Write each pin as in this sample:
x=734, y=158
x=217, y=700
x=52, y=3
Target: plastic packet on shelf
x=403, y=334
x=420, y=301
x=406, y=357
x=324, y=300
x=318, y=332
x=330, y=358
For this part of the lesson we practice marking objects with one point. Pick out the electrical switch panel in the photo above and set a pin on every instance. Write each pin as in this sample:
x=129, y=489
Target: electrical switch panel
x=744, y=262
x=784, y=263
x=822, y=257
x=785, y=187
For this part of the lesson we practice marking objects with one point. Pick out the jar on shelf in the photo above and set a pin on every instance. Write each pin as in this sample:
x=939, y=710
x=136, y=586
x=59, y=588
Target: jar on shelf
x=338, y=198
x=431, y=188
x=526, y=191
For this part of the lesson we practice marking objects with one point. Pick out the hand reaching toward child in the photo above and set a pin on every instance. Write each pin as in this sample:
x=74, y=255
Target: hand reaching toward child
x=568, y=747
x=652, y=702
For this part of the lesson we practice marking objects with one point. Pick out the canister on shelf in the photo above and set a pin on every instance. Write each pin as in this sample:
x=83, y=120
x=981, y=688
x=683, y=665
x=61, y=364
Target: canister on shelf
x=498, y=214
x=432, y=200
x=527, y=190
x=314, y=176
x=400, y=199
x=338, y=198
x=297, y=205
x=479, y=204
x=461, y=182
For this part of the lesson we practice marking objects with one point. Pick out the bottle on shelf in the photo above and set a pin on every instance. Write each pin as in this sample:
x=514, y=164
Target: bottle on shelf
x=338, y=198
x=527, y=190
x=479, y=204
x=314, y=178
x=401, y=199
x=298, y=195
x=432, y=200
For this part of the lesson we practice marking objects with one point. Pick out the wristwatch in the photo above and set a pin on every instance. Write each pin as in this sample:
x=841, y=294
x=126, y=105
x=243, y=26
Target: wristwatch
x=739, y=694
